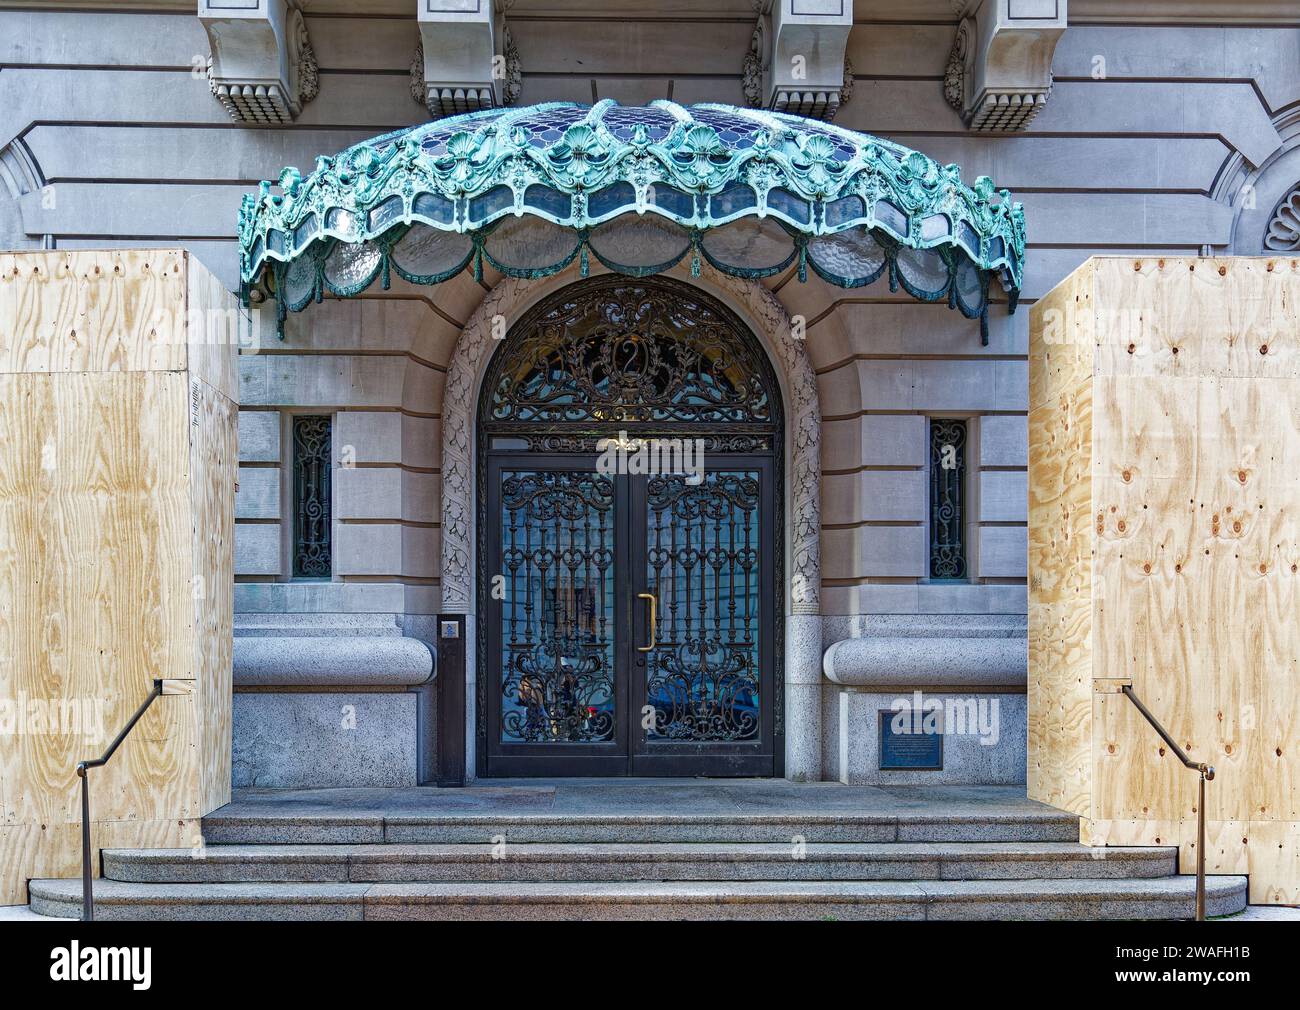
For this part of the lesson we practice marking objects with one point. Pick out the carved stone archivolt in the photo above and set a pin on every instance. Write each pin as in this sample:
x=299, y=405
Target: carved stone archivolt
x=1265, y=198
x=760, y=309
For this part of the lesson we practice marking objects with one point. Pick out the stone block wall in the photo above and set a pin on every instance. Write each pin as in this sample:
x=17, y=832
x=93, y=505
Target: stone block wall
x=376, y=366
x=1157, y=156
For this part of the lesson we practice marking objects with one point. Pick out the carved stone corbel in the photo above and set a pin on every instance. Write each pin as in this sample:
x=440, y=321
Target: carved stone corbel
x=796, y=61
x=261, y=68
x=999, y=73
x=464, y=60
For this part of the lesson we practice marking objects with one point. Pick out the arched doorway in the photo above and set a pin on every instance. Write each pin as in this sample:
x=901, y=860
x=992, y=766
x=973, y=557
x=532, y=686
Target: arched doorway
x=630, y=539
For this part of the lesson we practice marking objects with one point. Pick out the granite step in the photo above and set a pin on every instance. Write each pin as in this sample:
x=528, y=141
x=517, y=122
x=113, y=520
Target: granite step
x=1028, y=825
x=665, y=861
x=1161, y=898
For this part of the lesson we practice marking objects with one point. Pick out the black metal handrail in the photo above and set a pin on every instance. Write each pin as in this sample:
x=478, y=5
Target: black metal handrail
x=87, y=895
x=1207, y=775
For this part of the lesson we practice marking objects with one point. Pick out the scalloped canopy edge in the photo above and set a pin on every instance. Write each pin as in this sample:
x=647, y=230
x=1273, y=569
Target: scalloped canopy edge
x=640, y=187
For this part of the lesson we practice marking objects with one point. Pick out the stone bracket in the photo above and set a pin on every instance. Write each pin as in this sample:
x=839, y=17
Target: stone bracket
x=465, y=59
x=262, y=68
x=797, y=62
x=999, y=73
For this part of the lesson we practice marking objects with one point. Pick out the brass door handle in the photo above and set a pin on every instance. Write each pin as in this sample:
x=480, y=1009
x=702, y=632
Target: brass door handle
x=653, y=604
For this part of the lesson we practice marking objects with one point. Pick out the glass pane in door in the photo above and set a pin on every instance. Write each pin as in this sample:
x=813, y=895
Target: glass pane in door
x=702, y=554
x=556, y=586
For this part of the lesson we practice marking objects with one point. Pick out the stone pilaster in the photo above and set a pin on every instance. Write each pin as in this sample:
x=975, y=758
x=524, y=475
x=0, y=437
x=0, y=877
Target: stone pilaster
x=803, y=697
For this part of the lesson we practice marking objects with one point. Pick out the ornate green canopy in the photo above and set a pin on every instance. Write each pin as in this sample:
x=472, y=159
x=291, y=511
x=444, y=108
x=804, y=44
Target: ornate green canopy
x=640, y=188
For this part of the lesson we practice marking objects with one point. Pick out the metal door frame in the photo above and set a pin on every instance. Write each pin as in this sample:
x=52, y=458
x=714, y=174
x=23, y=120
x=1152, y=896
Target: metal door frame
x=499, y=759
x=630, y=752
x=755, y=758
x=537, y=445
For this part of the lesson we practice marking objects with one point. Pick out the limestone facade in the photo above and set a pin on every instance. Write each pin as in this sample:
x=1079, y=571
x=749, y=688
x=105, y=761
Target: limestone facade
x=1170, y=129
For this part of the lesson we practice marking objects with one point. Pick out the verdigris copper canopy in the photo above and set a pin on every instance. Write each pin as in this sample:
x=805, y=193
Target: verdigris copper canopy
x=529, y=190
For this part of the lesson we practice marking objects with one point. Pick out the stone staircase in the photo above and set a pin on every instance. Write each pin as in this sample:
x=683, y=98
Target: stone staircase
x=918, y=861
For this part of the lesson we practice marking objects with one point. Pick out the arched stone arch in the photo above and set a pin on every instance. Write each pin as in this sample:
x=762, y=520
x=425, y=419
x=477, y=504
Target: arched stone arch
x=20, y=174
x=1264, y=198
x=785, y=346
x=760, y=309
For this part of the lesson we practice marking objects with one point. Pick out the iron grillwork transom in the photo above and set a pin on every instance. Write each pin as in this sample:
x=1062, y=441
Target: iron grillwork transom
x=621, y=352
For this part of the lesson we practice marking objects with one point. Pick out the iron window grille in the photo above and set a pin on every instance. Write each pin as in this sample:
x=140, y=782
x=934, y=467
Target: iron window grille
x=312, y=554
x=948, y=439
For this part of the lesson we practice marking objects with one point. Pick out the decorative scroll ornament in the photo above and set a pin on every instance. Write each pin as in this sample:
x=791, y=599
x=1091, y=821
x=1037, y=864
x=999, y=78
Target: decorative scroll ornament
x=752, y=71
x=959, y=66
x=419, y=91
x=513, y=82
x=531, y=190
x=1283, y=233
x=633, y=352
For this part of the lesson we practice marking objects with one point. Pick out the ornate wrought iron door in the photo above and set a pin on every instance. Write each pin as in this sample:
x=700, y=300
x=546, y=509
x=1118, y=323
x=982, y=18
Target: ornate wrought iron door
x=629, y=614
x=705, y=549
x=554, y=607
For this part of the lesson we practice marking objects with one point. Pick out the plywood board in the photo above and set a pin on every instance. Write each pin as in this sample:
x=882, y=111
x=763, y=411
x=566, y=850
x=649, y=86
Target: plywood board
x=93, y=311
x=1060, y=571
x=214, y=463
x=38, y=851
x=1190, y=568
x=215, y=324
x=117, y=466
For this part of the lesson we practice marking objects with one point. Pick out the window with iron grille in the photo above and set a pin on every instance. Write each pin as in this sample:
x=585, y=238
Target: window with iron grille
x=947, y=498
x=311, y=497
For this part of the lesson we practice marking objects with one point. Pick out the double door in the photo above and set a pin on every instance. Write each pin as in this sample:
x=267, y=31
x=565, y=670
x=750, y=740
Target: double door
x=630, y=618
